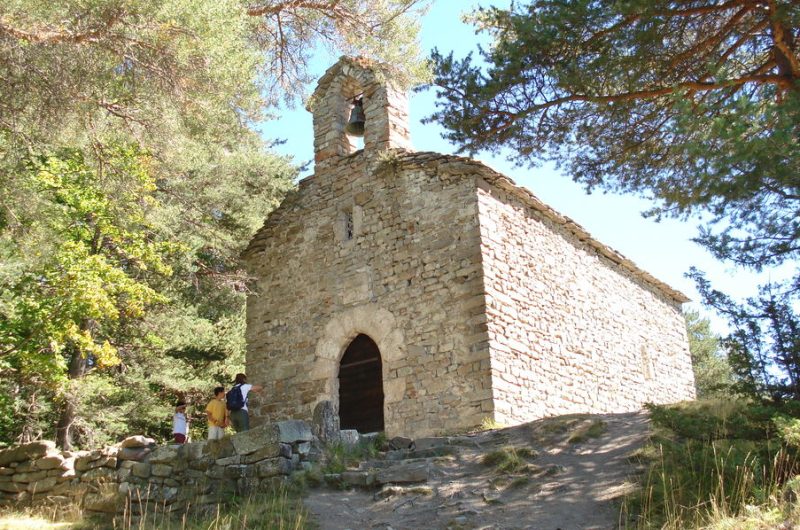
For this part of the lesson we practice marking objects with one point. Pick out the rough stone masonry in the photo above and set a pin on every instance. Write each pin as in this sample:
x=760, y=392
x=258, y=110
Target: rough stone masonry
x=483, y=302
x=136, y=477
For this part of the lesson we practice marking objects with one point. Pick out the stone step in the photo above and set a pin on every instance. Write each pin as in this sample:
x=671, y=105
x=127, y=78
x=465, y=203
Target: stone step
x=430, y=452
x=398, y=473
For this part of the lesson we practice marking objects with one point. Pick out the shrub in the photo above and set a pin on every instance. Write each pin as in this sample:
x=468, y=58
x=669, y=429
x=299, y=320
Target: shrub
x=339, y=457
x=713, y=461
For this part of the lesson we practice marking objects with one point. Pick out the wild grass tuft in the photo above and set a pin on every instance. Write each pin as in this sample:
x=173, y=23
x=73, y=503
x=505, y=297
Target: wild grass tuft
x=519, y=482
x=490, y=424
x=45, y=517
x=278, y=508
x=509, y=459
x=595, y=429
x=340, y=457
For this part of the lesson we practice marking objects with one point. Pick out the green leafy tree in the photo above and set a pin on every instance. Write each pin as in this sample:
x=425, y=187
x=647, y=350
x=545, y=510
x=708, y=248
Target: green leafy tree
x=712, y=373
x=72, y=310
x=695, y=105
x=120, y=286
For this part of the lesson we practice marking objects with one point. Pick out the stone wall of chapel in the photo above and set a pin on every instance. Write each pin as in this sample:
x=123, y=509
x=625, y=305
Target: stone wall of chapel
x=570, y=331
x=414, y=258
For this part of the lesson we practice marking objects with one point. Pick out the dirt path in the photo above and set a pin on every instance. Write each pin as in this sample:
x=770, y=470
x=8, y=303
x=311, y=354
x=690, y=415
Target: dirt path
x=569, y=486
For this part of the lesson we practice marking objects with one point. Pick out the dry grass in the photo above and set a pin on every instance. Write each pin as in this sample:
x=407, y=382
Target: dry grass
x=278, y=509
x=489, y=424
x=715, y=466
x=21, y=521
x=509, y=459
x=584, y=432
x=42, y=518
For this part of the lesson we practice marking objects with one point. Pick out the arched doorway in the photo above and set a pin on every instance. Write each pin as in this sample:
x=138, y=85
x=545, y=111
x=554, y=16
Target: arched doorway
x=361, y=386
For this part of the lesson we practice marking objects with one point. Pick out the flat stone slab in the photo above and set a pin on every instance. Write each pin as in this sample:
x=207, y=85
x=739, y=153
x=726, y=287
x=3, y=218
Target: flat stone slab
x=397, y=455
x=30, y=451
x=404, y=473
x=358, y=478
x=273, y=467
x=303, y=448
x=219, y=448
x=423, y=444
x=400, y=442
x=375, y=464
x=433, y=452
x=163, y=455
x=264, y=438
x=135, y=442
x=136, y=454
x=291, y=431
x=349, y=436
x=49, y=462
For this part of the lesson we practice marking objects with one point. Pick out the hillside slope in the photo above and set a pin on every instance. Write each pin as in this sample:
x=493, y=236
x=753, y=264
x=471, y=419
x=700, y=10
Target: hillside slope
x=564, y=473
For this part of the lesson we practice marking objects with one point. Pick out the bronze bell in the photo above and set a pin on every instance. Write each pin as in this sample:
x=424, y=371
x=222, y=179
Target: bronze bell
x=355, y=126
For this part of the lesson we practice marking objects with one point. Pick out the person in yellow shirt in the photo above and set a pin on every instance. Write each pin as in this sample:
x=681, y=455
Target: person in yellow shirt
x=217, y=415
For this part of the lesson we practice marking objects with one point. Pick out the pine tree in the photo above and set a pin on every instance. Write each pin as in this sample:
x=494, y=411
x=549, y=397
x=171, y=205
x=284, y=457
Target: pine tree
x=693, y=104
x=712, y=373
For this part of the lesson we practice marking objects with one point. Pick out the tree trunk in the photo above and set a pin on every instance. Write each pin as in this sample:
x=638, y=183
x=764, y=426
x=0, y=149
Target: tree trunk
x=77, y=369
x=78, y=366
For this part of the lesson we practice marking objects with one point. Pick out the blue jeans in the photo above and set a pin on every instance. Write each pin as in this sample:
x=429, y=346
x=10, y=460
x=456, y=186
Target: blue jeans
x=240, y=420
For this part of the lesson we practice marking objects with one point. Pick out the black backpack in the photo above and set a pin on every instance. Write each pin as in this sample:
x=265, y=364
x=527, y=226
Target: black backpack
x=234, y=399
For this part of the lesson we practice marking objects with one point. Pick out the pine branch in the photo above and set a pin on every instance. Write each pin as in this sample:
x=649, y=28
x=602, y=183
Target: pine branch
x=45, y=35
x=274, y=9
x=635, y=95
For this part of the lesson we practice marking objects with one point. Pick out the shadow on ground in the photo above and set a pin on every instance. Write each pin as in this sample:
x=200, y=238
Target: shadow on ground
x=567, y=473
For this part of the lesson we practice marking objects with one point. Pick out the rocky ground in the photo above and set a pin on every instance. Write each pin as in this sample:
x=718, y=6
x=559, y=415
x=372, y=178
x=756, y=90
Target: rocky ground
x=565, y=473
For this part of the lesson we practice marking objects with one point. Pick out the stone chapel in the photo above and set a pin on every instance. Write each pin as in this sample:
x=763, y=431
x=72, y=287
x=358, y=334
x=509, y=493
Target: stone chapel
x=419, y=293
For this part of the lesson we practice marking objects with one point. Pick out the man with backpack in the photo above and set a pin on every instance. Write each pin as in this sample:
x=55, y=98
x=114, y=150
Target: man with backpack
x=236, y=402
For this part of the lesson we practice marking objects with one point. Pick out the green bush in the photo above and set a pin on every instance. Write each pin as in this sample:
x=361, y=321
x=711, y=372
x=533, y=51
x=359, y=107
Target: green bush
x=709, y=460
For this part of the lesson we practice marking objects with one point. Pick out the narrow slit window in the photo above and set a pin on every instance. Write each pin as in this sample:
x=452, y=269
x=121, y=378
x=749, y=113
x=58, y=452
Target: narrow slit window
x=348, y=225
x=647, y=365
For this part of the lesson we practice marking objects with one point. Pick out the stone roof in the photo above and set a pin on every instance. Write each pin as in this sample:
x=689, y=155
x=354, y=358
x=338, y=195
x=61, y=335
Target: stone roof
x=458, y=165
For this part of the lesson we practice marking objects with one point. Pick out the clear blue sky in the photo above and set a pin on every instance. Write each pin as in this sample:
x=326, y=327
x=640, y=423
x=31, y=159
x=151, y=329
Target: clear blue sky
x=664, y=249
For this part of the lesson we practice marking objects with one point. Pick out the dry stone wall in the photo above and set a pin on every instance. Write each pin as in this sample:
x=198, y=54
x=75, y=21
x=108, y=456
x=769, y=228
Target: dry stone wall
x=410, y=278
x=570, y=330
x=137, y=476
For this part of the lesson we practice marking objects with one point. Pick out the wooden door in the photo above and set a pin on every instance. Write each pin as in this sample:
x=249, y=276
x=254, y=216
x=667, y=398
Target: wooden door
x=361, y=386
